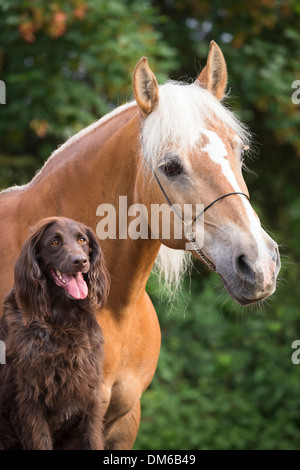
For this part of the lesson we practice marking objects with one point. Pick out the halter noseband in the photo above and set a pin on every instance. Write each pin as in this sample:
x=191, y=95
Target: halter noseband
x=188, y=232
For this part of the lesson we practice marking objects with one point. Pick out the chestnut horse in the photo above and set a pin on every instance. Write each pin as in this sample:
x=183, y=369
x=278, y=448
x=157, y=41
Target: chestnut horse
x=194, y=147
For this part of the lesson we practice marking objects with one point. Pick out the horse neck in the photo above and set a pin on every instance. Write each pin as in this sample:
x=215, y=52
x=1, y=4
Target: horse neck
x=101, y=167
x=129, y=261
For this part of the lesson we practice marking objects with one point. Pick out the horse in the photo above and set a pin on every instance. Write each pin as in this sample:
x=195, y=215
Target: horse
x=177, y=143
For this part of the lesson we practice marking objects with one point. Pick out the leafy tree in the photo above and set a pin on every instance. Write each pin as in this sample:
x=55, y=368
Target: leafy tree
x=66, y=63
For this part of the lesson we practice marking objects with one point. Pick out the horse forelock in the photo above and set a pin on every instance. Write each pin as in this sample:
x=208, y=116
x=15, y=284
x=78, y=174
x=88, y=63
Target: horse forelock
x=183, y=111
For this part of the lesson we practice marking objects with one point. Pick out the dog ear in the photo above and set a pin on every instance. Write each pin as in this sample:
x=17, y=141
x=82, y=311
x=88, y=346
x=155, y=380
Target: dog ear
x=98, y=277
x=30, y=283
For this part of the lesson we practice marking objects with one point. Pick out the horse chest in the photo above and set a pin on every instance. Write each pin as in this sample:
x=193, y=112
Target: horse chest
x=122, y=396
x=129, y=368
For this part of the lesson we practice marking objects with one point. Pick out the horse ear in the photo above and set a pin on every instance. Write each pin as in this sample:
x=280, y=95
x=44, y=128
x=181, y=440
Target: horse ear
x=145, y=87
x=214, y=74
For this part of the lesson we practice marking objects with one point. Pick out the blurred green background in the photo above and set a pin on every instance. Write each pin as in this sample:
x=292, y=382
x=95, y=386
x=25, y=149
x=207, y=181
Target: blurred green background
x=225, y=379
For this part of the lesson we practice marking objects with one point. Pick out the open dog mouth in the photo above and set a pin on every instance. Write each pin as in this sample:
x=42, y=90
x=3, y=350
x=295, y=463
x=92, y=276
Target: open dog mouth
x=74, y=284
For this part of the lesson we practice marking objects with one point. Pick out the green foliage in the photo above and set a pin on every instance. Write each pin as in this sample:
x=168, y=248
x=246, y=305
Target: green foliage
x=225, y=378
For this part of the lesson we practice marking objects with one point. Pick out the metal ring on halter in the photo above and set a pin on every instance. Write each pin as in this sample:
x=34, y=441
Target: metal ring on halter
x=188, y=231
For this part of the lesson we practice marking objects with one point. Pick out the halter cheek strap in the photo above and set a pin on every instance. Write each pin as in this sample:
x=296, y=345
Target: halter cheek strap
x=188, y=231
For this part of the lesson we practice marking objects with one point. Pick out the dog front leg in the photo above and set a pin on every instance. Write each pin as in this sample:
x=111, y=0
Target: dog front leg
x=32, y=428
x=91, y=427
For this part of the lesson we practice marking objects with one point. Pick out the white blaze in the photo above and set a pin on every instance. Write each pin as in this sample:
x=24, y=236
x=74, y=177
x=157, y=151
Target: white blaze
x=217, y=152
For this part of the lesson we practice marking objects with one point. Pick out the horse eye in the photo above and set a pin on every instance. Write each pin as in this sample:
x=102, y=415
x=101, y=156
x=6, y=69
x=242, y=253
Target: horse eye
x=55, y=242
x=171, y=168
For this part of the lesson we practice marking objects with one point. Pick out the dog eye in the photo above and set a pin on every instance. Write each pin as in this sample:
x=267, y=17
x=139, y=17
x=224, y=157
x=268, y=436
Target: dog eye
x=55, y=242
x=81, y=240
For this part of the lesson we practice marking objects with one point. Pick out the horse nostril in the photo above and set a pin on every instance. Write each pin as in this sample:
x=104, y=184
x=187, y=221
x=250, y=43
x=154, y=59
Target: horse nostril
x=244, y=269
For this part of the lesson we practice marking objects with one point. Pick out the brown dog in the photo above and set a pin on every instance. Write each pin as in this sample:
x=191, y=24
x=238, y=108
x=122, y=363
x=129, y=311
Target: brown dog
x=50, y=386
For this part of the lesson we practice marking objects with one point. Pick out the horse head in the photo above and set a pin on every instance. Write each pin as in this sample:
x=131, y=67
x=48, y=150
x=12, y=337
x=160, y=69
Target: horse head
x=193, y=149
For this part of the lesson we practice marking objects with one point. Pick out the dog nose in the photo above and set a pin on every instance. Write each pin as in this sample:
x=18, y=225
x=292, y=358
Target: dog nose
x=79, y=261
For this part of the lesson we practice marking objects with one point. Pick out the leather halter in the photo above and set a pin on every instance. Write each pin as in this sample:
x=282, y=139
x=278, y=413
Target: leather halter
x=188, y=231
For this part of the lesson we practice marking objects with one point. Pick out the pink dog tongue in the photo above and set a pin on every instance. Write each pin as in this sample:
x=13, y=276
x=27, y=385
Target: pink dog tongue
x=76, y=285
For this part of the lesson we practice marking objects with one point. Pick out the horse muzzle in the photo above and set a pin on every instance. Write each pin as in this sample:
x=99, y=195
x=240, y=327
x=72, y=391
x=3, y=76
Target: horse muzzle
x=250, y=276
